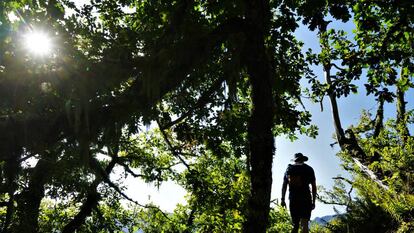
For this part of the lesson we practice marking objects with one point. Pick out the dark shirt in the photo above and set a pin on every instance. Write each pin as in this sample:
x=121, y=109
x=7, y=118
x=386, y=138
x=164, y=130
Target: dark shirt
x=299, y=177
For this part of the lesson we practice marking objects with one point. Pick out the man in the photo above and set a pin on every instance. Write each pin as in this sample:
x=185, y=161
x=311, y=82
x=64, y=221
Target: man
x=299, y=176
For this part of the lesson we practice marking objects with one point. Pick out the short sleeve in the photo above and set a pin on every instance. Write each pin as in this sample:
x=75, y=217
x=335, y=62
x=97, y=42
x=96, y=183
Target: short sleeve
x=286, y=176
x=311, y=174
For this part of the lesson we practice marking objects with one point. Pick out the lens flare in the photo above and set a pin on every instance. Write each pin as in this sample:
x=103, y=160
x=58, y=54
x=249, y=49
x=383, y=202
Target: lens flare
x=38, y=43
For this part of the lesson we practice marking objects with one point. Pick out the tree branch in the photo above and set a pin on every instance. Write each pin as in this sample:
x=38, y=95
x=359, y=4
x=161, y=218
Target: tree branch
x=129, y=171
x=368, y=172
x=379, y=118
x=172, y=149
x=119, y=191
x=347, y=142
x=201, y=102
x=92, y=197
x=336, y=66
x=344, y=179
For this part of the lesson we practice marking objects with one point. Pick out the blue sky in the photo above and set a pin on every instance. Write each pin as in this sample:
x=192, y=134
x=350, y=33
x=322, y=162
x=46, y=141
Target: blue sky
x=322, y=157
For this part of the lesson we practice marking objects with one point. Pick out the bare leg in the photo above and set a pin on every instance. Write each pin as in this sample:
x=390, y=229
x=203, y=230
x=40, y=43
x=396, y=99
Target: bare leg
x=304, y=225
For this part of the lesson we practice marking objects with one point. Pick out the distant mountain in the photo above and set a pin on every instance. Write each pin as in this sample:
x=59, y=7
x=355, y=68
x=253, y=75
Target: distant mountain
x=324, y=220
x=125, y=230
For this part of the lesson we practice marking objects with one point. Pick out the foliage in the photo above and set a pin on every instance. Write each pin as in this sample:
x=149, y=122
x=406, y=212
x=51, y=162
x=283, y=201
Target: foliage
x=371, y=208
x=376, y=152
x=395, y=167
x=106, y=218
x=214, y=82
x=280, y=219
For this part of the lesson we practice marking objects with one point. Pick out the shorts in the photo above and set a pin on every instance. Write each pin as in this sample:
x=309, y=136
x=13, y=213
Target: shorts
x=300, y=209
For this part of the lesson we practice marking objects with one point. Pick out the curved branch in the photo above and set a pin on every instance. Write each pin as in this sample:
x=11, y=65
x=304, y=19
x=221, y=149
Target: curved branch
x=172, y=149
x=201, y=102
x=107, y=180
x=92, y=196
x=348, y=141
x=336, y=66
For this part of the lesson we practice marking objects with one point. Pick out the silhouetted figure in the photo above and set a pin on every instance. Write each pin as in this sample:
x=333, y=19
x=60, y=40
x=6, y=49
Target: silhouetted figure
x=301, y=202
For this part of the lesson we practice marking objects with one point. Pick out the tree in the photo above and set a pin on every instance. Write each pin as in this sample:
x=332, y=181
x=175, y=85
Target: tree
x=379, y=49
x=219, y=79
x=113, y=71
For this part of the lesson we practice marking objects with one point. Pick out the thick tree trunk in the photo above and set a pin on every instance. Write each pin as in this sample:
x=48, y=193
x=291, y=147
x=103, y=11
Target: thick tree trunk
x=11, y=170
x=261, y=140
x=29, y=200
x=10, y=154
x=261, y=143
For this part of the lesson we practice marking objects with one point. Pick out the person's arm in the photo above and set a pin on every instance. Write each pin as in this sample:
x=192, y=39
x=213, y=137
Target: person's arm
x=284, y=188
x=313, y=183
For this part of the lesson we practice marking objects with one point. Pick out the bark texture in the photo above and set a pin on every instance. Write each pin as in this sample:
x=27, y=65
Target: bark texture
x=261, y=140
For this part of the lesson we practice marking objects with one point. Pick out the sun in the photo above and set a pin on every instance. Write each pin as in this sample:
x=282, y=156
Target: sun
x=38, y=43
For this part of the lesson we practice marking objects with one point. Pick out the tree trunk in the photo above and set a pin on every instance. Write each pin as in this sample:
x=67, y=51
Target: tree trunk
x=260, y=136
x=11, y=170
x=90, y=203
x=401, y=123
x=379, y=118
x=93, y=196
x=346, y=140
x=339, y=131
x=29, y=200
x=10, y=154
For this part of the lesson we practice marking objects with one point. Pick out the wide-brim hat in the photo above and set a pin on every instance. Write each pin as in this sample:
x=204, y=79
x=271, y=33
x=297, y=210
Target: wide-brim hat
x=299, y=157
